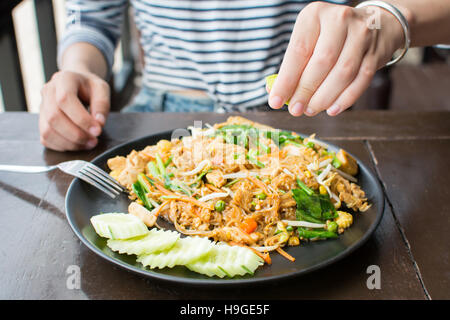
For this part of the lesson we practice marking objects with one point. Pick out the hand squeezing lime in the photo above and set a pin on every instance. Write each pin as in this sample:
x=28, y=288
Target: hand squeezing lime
x=270, y=80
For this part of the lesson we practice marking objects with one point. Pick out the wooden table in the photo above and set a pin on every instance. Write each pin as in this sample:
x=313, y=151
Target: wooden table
x=409, y=151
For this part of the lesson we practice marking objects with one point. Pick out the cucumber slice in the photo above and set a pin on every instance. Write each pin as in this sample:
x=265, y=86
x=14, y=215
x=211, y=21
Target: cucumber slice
x=155, y=240
x=209, y=265
x=224, y=260
x=185, y=250
x=118, y=226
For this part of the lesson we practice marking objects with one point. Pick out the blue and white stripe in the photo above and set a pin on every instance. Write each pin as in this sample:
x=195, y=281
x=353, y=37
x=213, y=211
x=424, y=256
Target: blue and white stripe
x=223, y=47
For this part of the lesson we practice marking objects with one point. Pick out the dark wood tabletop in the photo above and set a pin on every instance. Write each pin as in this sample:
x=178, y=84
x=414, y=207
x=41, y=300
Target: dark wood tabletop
x=408, y=151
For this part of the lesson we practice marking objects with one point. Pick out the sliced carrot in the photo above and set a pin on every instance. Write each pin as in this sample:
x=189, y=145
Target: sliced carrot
x=249, y=225
x=164, y=190
x=285, y=254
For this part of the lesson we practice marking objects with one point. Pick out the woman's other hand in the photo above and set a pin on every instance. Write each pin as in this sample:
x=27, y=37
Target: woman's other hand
x=65, y=123
x=332, y=57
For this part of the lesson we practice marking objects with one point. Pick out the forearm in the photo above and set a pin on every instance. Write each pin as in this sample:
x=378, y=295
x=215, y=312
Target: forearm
x=84, y=57
x=429, y=20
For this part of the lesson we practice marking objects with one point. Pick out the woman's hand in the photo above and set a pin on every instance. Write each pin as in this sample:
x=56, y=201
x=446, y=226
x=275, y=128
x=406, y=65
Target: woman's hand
x=332, y=57
x=65, y=123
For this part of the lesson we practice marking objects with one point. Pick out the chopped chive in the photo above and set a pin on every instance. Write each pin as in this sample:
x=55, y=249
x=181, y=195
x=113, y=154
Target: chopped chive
x=232, y=182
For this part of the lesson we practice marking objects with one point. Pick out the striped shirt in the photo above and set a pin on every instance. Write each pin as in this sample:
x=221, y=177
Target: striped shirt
x=225, y=48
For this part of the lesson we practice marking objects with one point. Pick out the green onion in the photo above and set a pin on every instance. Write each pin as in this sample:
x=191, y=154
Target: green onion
x=200, y=176
x=168, y=161
x=310, y=144
x=251, y=156
x=160, y=164
x=140, y=193
x=153, y=169
x=232, y=182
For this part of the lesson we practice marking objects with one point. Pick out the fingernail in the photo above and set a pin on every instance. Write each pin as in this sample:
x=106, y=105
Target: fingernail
x=100, y=118
x=333, y=110
x=95, y=131
x=275, y=102
x=309, y=111
x=91, y=144
x=297, y=109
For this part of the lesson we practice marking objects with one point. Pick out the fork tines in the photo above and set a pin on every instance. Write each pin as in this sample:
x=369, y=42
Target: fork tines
x=100, y=179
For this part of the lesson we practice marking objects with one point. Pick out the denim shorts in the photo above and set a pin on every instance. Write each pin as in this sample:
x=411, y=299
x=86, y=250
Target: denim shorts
x=156, y=100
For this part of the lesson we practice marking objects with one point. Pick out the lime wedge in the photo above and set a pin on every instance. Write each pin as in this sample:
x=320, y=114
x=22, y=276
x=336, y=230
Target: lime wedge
x=270, y=80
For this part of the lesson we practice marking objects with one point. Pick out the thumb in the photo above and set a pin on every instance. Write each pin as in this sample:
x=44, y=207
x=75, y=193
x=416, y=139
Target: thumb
x=99, y=100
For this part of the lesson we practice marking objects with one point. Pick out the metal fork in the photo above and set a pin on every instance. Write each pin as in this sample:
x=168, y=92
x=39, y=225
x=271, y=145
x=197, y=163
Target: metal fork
x=84, y=170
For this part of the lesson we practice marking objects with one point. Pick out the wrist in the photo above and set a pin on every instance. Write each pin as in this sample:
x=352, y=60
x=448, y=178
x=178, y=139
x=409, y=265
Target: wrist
x=389, y=32
x=85, y=59
x=390, y=27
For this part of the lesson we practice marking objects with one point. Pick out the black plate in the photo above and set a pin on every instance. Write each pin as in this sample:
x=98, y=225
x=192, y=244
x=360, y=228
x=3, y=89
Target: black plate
x=84, y=201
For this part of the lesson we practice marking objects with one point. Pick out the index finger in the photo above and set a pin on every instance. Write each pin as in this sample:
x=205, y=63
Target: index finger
x=299, y=50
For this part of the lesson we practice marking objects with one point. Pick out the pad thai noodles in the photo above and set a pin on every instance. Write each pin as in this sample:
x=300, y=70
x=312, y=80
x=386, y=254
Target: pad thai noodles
x=244, y=183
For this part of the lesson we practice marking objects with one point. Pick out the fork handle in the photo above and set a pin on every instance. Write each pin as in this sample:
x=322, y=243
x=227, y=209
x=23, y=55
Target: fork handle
x=26, y=169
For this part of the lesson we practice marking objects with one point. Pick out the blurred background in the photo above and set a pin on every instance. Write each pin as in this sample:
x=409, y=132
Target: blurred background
x=30, y=29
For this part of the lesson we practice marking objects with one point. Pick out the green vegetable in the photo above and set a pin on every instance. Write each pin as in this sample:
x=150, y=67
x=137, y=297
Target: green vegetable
x=311, y=234
x=225, y=260
x=118, y=225
x=289, y=229
x=310, y=144
x=160, y=164
x=261, y=196
x=186, y=250
x=251, y=156
x=328, y=209
x=155, y=240
x=332, y=226
x=309, y=204
x=153, y=169
x=231, y=182
x=313, y=207
x=308, y=190
x=200, y=176
x=219, y=206
x=336, y=163
x=302, y=216
x=140, y=193
x=143, y=182
x=168, y=161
